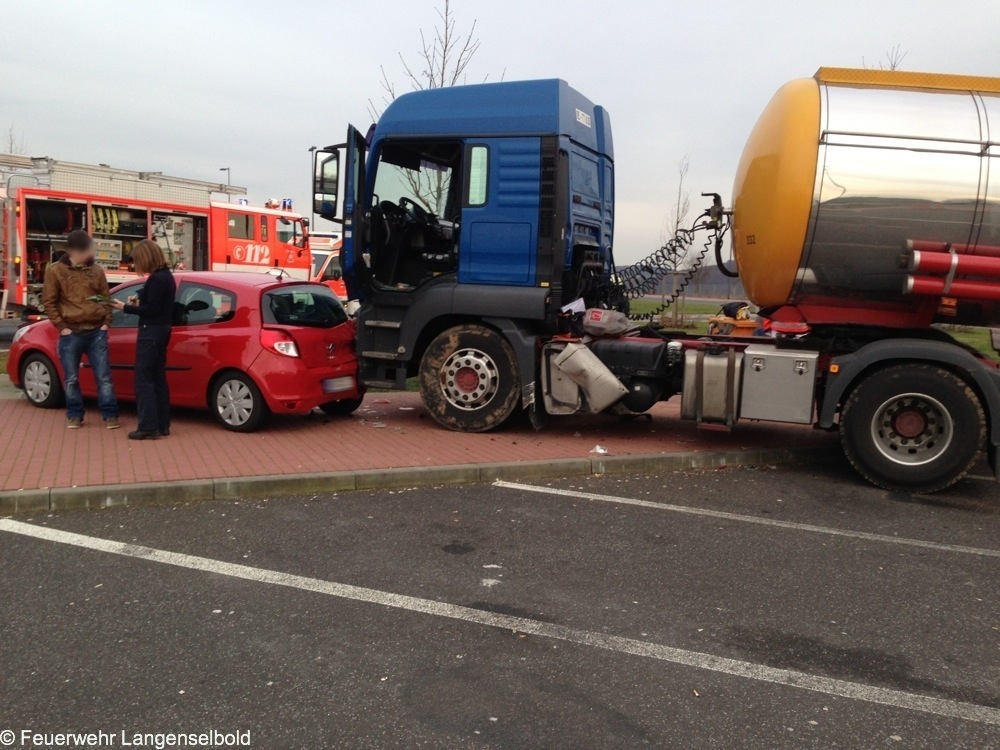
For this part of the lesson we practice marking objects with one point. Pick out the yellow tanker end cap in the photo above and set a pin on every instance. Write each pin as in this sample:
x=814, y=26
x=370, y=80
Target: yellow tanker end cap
x=773, y=193
x=906, y=79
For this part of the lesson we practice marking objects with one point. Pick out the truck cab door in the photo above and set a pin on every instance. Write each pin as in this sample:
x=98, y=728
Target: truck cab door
x=325, y=203
x=498, y=241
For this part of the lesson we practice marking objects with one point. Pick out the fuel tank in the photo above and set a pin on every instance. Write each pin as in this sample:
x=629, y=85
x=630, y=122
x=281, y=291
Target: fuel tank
x=842, y=170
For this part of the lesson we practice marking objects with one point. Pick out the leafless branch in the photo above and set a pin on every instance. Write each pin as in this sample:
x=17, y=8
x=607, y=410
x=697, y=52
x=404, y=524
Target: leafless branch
x=893, y=59
x=444, y=58
x=15, y=143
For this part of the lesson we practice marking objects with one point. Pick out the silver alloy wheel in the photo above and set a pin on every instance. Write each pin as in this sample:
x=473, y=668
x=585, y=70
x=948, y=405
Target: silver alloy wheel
x=234, y=402
x=912, y=429
x=469, y=379
x=37, y=381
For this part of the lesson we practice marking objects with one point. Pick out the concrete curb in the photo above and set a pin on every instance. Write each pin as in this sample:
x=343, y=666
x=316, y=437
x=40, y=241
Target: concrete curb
x=238, y=488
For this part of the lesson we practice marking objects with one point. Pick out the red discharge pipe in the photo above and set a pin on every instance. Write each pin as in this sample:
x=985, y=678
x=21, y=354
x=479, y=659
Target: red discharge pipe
x=926, y=246
x=964, y=265
x=934, y=287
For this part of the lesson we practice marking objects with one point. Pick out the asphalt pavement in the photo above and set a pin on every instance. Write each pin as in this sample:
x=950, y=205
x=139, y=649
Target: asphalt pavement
x=737, y=608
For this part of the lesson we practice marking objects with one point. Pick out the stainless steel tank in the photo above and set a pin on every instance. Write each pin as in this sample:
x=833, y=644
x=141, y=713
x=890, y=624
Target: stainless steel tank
x=842, y=169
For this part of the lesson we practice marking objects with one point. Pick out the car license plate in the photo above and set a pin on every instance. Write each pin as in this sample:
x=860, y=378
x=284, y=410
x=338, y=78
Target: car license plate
x=338, y=385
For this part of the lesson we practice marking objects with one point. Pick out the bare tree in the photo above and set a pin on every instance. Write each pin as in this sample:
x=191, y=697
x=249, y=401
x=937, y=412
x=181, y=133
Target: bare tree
x=893, y=59
x=15, y=142
x=678, y=220
x=444, y=58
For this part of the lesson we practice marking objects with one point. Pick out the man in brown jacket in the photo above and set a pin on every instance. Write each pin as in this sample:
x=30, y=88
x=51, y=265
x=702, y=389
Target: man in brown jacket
x=71, y=284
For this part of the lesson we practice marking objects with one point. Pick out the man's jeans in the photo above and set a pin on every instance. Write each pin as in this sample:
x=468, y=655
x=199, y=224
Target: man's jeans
x=71, y=350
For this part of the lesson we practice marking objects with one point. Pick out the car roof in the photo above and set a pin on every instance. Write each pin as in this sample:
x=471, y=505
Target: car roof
x=244, y=279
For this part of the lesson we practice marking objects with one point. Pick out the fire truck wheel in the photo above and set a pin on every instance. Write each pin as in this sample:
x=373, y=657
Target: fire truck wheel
x=912, y=428
x=41, y=381
x=236, y=402
x=342, y=408
x=469, y=379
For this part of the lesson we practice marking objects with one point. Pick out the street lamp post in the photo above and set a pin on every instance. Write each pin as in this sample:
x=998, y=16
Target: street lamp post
x=229, y=197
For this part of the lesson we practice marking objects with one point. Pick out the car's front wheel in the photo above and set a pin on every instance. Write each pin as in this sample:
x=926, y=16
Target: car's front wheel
x=236, y=402
x=41, y=381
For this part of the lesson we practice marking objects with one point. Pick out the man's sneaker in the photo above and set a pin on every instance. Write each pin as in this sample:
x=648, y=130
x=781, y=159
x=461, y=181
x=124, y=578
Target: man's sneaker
x=143, y=435
x=112, y=423
x=73, y=423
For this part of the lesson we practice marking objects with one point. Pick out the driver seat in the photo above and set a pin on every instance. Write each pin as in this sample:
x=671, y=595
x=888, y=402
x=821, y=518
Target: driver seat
x=384, y=245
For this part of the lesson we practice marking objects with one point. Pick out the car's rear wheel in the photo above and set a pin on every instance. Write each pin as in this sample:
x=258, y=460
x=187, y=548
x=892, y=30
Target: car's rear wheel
x=236, y=402
x=41, y=381
x=342, y=408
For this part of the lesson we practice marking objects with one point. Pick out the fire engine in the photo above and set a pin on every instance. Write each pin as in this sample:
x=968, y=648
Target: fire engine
x=42, y=200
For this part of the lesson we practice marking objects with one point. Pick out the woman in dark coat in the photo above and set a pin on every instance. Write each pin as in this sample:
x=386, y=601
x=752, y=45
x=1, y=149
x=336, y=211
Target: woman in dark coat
x=155, y=307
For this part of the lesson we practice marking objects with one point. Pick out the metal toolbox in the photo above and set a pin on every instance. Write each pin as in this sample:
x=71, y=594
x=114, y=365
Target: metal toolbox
x=711, y=386
x=779, y=385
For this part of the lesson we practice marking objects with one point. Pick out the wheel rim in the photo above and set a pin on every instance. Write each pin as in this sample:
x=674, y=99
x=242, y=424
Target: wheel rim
x=912, y=429
x=234, y=402
x=37, y=381
x=469, y=379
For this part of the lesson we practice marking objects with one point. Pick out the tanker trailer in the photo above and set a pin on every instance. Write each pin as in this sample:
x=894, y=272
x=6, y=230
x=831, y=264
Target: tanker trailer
x=866, y=207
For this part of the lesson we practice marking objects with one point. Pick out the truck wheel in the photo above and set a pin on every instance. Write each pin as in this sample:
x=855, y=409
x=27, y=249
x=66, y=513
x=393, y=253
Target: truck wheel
x=912, y=427
x=41, y=381
x=469, y=379
x=236, y=402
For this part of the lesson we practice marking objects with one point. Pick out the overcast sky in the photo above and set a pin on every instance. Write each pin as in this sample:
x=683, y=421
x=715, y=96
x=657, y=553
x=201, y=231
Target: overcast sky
x=188, y=87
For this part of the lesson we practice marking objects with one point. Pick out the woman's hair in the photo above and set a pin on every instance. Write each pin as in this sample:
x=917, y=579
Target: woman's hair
x=148, y=257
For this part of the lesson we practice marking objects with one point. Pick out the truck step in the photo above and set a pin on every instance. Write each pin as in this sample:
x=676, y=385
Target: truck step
x=383, y=324
x=379, y=355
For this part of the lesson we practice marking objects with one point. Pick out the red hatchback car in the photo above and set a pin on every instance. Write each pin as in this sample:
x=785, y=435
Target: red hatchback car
x=243, y=344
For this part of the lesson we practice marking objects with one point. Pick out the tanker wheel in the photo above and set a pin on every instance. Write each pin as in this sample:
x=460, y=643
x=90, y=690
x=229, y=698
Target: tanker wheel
x=916, y=428
x=469, y=379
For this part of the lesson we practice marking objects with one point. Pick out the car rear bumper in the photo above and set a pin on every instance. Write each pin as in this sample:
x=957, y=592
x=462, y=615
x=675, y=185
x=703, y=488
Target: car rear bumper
x=289, y=387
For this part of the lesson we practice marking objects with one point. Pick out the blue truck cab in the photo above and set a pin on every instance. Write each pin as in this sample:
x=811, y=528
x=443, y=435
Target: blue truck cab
x=471, y=215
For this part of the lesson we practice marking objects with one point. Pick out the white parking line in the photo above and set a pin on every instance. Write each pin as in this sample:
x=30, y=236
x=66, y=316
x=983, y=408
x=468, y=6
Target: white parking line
x=618, y=644
x=905, y=541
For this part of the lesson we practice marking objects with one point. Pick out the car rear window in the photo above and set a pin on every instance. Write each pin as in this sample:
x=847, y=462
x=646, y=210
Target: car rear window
x=314, y=305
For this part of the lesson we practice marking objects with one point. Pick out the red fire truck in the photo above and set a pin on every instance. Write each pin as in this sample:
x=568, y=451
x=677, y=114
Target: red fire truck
x=42, y=200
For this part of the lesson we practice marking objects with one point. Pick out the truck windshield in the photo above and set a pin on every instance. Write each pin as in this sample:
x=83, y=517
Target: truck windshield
x=420, y=172
x=289, y=231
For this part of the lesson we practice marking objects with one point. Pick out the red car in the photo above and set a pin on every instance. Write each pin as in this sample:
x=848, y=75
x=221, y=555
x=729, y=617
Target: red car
x=243, y=344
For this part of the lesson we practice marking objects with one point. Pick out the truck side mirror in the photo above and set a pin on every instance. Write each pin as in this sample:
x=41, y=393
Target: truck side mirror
x=325, y=182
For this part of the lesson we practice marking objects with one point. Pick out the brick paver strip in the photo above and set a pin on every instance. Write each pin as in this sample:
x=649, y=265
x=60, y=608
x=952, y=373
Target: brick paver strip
x=390, y=441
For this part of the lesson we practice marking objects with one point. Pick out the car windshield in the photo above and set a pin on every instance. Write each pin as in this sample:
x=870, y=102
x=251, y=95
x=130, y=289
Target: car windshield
x=318, y=259
x=313, y=306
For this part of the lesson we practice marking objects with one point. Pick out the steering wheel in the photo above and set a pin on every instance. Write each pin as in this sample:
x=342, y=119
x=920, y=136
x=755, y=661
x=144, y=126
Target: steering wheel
x=415, y=210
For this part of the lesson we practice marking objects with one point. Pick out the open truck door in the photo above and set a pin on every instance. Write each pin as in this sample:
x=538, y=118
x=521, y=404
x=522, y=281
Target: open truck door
x=326, y=203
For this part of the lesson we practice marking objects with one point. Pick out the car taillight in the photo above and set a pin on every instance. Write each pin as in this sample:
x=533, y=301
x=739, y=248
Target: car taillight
x=278, y=341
